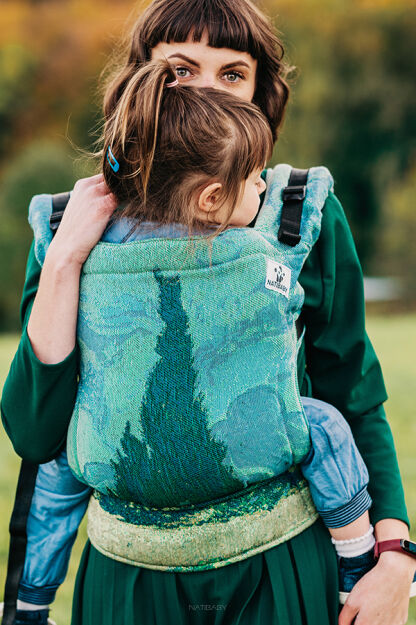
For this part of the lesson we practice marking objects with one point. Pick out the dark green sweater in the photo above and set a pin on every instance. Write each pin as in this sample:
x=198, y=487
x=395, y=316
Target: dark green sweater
x=336, y=364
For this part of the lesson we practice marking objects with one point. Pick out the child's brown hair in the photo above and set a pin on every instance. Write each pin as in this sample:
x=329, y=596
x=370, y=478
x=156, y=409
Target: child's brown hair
x=235, y=24
x=171, y=142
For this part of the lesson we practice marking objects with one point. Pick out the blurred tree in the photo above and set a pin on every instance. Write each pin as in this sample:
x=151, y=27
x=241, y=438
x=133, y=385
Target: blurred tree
x=42, y=167
x=351, y=108
x=353, y=102
x=396, y=252
x=17, y=71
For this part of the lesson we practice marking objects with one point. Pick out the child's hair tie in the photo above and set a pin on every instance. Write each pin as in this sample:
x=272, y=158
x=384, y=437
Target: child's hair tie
x=115, y=165
x=172, y=84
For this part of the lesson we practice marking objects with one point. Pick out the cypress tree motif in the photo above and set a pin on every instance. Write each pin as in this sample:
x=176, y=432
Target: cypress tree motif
x=178, y=461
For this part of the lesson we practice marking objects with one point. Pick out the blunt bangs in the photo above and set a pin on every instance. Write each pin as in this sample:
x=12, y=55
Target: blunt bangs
x=226, y=25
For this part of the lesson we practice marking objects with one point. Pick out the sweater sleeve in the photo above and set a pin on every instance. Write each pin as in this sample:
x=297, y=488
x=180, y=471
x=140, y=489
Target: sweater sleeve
x=38, y=399
x=341, y=365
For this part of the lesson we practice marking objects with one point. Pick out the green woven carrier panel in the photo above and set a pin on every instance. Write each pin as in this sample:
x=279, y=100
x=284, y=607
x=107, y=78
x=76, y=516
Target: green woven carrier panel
x=188, y=389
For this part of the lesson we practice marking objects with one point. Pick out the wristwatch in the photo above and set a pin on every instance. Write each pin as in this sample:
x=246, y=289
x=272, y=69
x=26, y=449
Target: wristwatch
x=398, y=544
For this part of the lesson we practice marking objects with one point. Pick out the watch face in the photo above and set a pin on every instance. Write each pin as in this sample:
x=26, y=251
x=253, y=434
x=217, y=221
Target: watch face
x=410, y=547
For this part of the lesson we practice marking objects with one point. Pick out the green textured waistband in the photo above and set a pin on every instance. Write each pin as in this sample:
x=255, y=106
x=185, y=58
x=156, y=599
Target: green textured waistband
x=208, y=537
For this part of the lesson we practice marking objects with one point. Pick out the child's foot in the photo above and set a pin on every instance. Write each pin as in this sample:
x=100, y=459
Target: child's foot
x=32, y=617
x=351, y=570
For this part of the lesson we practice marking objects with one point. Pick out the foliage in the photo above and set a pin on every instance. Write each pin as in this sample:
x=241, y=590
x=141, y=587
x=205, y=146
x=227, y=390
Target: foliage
x=351, y=108
x=42, y=167
x=396, y=252
x=353, y=103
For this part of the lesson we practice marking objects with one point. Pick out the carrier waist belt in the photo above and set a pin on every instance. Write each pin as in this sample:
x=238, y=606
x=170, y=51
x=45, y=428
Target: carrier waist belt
x=202, y=536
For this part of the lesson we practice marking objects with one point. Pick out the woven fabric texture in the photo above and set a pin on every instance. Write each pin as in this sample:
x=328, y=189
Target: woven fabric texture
x=188, y=387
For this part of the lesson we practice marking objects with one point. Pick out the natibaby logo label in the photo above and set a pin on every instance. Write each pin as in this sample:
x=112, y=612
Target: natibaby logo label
x=278, y=277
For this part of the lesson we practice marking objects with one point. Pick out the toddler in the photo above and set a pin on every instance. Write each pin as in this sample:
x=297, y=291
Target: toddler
x=149, y=125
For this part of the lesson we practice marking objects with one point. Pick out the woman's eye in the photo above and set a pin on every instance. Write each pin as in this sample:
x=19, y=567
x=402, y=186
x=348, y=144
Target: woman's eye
x=182, y=72
x=234, y=76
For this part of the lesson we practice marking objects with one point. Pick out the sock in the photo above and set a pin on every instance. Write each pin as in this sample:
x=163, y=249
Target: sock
x=22, y=605
x=355, y=546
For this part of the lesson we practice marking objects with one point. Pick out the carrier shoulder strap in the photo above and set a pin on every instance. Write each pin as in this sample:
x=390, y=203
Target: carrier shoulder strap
x=293, y=196
x=25, y=487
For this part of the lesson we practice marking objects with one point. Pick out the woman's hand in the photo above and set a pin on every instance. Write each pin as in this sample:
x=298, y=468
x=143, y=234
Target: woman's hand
x=53, y=320
x=84, y=220
x=381, y=597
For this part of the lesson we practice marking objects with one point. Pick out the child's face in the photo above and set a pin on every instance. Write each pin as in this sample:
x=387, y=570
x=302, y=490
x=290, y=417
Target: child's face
x=244, y=212
x=196, y=64
x=248, y=207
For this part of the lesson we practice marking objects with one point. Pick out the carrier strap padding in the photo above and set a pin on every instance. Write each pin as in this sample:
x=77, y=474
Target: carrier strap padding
x=293, y=196
x=18, y=538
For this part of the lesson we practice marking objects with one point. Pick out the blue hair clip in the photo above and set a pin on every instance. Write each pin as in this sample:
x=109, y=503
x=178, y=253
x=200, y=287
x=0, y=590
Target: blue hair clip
x=115, y=166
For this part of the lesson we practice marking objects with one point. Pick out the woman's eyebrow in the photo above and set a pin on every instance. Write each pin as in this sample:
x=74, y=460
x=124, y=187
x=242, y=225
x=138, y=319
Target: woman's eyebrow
x=178, y=55
x=234, y=63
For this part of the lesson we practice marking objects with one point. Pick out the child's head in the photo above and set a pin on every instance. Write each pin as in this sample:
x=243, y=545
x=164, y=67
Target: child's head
x=185, y=155
x=210, y=33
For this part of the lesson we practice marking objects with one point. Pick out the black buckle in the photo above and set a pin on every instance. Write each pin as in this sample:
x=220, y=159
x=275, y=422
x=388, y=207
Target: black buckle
x=288, y=237
x=55, y=220
x=294, y=194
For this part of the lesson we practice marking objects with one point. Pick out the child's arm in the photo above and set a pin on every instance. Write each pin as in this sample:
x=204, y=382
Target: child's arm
x=334, y=468
x=341, y=364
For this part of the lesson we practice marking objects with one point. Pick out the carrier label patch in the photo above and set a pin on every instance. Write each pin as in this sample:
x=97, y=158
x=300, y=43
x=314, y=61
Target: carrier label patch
x=278, y=277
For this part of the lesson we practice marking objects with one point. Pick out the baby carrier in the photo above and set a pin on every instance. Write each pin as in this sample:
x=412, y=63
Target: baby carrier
x=202, y=349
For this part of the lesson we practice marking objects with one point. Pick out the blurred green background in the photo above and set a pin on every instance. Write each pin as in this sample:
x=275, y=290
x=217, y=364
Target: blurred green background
x=352, y=109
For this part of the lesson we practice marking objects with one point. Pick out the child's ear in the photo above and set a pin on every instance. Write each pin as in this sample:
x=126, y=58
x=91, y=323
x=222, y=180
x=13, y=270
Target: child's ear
x=209, y=196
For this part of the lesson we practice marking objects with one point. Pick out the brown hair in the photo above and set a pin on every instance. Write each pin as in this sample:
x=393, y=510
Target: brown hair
x=170, y=142
x=235, y=24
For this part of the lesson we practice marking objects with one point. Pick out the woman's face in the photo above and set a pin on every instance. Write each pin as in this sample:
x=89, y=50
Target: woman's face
x=196, y=64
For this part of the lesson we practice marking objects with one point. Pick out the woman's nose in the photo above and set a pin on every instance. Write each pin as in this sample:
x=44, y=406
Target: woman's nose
x=208, y=80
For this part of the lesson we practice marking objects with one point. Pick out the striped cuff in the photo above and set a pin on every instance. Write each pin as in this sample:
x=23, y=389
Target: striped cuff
x=349, y=512
x=38, y=595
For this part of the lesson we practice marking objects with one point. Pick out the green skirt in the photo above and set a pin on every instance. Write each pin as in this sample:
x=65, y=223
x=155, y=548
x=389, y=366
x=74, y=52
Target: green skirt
x=295, y=583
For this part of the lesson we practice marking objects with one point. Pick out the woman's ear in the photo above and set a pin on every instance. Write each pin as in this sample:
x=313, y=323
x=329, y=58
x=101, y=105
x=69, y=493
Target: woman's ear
x=208, y=197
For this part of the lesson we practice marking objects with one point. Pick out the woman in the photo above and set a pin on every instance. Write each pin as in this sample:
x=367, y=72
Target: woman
x=229, y=46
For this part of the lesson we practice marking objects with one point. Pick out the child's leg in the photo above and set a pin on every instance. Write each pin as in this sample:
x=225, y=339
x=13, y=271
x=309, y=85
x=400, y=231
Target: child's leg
x=335, y=470
x=338, y=480
x=58, y=505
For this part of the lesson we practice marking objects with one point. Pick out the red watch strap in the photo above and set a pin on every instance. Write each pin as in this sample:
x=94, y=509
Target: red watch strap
x=387, y=545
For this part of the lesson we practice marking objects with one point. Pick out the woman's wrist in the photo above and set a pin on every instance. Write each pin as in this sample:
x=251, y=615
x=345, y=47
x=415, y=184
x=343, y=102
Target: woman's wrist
x=399, y=559
x=62, y=259
x=388, y=529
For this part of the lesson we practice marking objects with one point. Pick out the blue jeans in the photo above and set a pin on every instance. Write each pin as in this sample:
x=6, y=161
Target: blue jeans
x=58, y=505
x=335, y=471
x=334, y=468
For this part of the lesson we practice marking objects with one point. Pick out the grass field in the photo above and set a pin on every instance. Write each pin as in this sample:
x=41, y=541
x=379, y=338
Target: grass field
x=394, y=339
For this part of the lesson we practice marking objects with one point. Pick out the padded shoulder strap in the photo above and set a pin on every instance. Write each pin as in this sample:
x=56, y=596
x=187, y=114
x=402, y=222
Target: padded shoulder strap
x=45, y=213
x=290, y=216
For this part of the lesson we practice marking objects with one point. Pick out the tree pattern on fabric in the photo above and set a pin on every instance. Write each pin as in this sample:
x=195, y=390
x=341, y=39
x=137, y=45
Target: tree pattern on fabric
x=189, y=461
